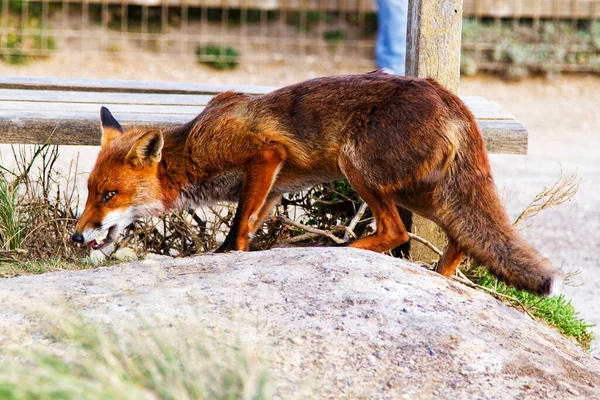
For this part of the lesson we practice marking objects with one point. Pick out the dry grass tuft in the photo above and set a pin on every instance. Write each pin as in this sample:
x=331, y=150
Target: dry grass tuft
x=38, y=205
x=79, y=359
x=562, y=191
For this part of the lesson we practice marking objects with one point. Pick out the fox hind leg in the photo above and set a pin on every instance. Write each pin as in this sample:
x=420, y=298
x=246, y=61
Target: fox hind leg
x=391, y=231
x=450, y=259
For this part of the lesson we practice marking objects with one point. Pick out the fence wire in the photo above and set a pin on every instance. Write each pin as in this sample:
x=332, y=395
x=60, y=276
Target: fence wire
x=498, y=34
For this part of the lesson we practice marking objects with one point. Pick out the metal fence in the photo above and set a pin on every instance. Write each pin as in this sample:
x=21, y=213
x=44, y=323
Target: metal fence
x=498, y=34
x=517, y=37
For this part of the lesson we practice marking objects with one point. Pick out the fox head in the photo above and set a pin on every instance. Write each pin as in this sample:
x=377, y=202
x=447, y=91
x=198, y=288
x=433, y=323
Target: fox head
x=124, y=184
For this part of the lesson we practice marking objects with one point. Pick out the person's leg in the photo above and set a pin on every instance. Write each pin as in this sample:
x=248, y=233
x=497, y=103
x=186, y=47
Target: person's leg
x=392, y=19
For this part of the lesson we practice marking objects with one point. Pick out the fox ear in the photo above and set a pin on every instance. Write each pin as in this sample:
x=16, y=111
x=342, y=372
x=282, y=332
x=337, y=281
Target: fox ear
x=110, y=127
x=146, y=150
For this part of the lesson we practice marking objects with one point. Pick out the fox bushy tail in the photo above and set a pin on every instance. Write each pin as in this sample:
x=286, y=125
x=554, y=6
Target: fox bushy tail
x=493, y=242
x=476, y=220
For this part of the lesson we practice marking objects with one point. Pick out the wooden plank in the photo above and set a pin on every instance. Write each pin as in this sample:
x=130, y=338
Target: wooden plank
x=65, y=118
x=59, y=96
x=123, y=86
x=90, y=102
x=504, y=136
x=63, y=129
x=94, y=109
x=49, y=107
x=433, y=41
x=486, y=109
x=21, y=127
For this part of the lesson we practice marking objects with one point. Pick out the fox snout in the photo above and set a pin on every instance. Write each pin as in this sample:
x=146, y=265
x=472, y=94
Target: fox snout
x=77, y=237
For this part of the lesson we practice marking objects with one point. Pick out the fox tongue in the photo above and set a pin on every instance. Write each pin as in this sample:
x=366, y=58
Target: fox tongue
x=98, y=245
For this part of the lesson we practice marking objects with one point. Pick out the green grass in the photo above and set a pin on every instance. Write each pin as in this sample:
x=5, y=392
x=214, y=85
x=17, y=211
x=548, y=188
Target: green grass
x=11, y=232
x=555, y=311
x=81, y=360
x=11, y=268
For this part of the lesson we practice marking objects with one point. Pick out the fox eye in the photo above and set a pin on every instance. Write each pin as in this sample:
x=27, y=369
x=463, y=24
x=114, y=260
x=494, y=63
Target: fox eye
x=107, y=196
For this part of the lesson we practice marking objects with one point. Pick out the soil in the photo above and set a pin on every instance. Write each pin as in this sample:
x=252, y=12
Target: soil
x=562, y=114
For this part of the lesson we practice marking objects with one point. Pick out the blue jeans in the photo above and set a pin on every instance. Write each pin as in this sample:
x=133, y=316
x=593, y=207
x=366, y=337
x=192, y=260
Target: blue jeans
x=390, y=49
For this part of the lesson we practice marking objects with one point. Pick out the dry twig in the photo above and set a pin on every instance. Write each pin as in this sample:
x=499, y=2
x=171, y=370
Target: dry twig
x=11, y=255
x=352, y=224
x=301, y=238
x=345, y=229
x=562, y=191
x=466, y=281
x=12, y=252
x=328, y=234
x=569, y=278
x=428, y=244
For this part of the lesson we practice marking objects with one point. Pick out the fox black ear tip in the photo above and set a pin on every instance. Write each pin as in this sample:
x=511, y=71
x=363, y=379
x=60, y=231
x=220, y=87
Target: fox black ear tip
x=107, y=119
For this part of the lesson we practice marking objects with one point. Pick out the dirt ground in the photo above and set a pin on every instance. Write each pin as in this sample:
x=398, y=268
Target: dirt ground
x=562, y=114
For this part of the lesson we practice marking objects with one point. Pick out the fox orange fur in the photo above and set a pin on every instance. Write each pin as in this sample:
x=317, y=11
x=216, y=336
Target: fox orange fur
x=398, y=141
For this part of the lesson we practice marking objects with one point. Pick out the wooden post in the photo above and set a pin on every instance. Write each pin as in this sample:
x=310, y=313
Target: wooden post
x=433, y=41
x=433, y=51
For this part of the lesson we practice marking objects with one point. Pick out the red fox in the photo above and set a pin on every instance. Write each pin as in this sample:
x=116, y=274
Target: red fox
x=398, y=140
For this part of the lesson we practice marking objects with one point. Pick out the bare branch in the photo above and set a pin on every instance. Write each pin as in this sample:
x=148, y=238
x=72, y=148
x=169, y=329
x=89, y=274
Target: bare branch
x=428, y=244
x=301, y=238
x=345, y=229
x=12, y=252
x=352, y=224
x=328, y=234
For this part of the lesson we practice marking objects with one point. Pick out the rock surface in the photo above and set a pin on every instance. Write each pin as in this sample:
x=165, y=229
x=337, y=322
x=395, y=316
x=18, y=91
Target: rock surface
x=340, y=322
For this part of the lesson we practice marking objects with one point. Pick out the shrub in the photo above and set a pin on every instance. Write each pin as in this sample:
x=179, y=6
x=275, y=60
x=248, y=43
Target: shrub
x=516, y=51
x=219, y=57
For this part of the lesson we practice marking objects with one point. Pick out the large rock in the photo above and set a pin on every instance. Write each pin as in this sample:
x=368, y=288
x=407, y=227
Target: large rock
x=343, y=322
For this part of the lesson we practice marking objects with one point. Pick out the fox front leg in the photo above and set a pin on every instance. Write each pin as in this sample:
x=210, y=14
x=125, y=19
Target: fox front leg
x=229, y=243
x=255, y=200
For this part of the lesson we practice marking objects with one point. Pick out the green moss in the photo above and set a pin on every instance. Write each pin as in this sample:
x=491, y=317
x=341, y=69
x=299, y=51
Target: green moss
x=555, y=311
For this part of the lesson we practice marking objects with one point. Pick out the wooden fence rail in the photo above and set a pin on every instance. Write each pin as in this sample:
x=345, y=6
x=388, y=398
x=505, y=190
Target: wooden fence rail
x=485, y=8
x=578, y=9
x=66, y=111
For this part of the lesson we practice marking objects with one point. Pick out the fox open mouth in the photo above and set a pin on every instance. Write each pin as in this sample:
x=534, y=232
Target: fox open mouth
x=98, y=243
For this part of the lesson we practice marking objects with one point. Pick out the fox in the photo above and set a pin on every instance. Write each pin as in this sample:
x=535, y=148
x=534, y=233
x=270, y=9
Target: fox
x=399, y=141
